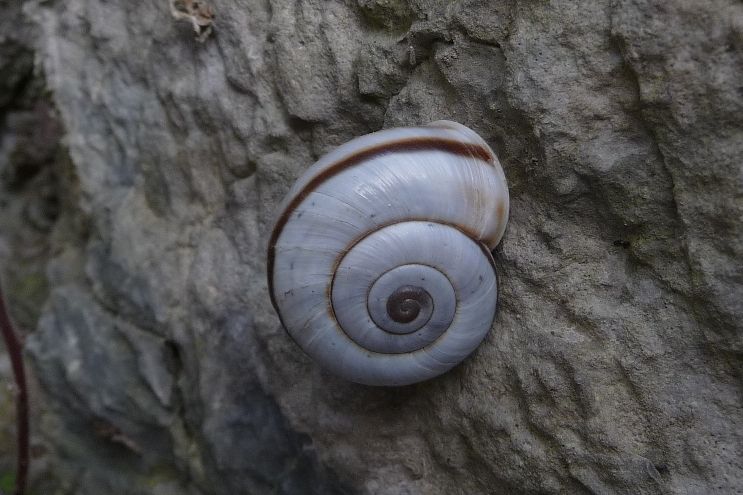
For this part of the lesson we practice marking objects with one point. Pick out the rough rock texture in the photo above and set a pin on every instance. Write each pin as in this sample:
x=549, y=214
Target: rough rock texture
x=614, y=365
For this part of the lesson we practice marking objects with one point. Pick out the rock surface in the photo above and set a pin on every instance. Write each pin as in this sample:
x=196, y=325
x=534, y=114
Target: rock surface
x=615, y=362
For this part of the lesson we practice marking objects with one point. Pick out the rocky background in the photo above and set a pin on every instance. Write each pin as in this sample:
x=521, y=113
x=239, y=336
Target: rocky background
x=140, y=170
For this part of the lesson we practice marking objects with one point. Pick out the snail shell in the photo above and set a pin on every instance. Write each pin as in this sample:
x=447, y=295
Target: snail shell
x=379, y=264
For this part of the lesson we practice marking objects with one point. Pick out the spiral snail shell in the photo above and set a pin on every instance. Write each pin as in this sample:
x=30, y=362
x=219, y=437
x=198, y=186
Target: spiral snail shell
x=380, y=263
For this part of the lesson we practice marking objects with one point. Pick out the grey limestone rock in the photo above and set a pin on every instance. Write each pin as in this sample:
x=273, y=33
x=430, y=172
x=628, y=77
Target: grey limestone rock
x=615, y=362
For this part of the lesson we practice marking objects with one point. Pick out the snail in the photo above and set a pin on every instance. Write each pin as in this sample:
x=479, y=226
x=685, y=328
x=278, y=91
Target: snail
x=380, y=265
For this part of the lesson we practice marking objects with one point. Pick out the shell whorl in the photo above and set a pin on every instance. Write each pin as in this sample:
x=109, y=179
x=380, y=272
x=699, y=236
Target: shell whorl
x=379, y=264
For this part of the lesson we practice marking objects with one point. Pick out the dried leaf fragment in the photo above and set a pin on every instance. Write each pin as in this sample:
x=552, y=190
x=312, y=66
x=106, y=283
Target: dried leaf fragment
x=198, y=12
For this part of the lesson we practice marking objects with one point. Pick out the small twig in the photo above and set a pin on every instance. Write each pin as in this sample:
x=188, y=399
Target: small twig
x=15, y=351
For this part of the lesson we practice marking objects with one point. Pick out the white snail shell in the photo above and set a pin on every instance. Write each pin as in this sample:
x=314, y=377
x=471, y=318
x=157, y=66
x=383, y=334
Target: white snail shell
x=379, y=264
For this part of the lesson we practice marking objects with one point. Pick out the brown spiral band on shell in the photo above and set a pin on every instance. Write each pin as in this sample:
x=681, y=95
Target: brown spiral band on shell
x=454, y=147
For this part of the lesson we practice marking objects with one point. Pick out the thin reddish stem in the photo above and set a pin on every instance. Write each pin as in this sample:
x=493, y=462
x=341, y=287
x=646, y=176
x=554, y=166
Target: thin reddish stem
x=15, y=351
